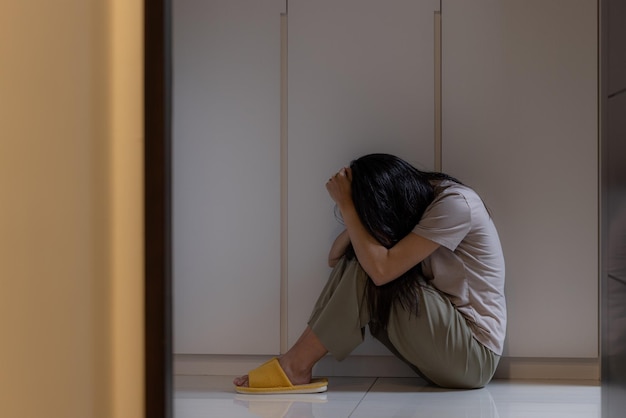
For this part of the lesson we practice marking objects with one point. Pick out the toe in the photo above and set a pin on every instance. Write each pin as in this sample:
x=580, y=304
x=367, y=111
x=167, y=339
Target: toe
x=241, y=381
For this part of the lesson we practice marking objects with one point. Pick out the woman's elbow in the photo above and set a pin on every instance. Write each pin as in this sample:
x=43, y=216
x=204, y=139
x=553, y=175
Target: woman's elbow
x=333, y=261
x=377, y=282
x=380, y=277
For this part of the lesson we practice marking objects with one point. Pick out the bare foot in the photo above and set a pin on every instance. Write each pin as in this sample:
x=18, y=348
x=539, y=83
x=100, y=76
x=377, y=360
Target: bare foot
x=241, y=381
x=298, y=361
x=296, y=375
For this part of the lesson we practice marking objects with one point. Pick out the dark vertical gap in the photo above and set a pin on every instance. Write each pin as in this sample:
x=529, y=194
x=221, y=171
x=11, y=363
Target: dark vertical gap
x=613, y=185
x=157, y=211
x=602, y=119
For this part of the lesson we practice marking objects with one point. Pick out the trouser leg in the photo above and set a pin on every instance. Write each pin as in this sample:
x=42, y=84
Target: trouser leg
x=439, y=343
x=380, y=333
x=340, y=313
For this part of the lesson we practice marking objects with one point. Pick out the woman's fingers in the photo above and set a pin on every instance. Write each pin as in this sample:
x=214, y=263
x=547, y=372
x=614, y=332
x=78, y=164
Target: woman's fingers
x=339, y=187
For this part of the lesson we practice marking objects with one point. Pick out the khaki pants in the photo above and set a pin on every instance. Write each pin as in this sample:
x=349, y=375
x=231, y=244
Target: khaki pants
x=437, y=343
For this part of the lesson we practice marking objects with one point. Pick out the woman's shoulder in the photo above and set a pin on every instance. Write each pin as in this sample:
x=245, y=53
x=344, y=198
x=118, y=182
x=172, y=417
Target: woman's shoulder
x=450, y=201
x=444, y=188
x=450, y=195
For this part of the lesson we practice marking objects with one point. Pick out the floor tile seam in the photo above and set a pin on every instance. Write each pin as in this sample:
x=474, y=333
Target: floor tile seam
x=363, y=397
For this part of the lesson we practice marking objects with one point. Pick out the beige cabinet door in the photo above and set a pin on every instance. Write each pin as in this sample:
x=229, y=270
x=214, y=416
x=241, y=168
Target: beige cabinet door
x=520, y=107
x=226, y=169
x=360, y=80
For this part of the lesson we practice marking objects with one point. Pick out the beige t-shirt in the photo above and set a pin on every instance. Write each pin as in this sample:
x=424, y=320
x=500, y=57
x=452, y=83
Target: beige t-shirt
x=468, y=267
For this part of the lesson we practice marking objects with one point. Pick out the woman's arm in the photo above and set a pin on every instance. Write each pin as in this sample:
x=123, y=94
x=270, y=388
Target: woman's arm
x=338, y=249
x=381, y=264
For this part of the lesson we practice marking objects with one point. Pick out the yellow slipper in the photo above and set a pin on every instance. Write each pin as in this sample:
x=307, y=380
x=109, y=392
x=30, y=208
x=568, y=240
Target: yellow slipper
x=270, y=378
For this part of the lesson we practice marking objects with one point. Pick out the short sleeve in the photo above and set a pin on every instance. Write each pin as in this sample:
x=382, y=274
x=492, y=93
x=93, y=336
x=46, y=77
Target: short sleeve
x=446, y=221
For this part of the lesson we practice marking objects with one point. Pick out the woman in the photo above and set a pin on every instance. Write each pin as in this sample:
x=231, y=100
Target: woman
x=420, y=263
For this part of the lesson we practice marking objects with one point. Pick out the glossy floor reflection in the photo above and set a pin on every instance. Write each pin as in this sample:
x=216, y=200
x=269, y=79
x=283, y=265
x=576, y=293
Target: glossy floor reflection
x=213, y=396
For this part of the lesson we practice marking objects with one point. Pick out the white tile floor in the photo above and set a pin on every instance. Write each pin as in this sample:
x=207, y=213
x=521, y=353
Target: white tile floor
x=359, y=397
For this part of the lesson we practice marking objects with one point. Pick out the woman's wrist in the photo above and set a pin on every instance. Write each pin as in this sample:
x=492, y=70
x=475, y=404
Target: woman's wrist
x=346, y=206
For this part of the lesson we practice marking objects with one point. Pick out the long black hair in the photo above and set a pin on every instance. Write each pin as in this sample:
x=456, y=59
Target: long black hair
x=390, y=197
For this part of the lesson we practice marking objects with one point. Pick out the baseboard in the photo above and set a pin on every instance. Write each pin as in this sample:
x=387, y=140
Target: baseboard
x=548, y=368
x=389, y=366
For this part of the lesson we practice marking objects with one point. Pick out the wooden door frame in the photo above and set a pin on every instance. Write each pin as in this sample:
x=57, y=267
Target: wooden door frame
x=157, y=208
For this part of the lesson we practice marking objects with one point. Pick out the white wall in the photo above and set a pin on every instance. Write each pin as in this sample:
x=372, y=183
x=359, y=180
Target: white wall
x=226, y=176
x=61, y=280
x=540, y=77
x=520, y=125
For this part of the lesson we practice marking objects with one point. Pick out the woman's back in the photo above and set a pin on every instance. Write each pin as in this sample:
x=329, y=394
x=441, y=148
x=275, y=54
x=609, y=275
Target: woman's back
x=469, y=265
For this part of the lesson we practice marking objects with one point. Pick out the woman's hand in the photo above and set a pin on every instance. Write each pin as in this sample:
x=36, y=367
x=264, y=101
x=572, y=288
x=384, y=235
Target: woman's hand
x=339, y=187
x=381, y=264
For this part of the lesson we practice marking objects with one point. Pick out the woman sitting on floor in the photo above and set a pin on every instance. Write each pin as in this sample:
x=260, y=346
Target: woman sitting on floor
x=420, y=263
